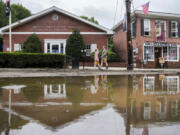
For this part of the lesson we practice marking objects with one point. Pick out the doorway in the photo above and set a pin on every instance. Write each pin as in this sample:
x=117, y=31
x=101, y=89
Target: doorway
x=55, y=46
x=158, y=54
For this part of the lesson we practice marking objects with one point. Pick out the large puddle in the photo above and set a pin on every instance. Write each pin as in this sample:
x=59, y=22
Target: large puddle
x=97, y=105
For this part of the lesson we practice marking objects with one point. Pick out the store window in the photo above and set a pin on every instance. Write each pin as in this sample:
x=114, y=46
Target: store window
x=170, y=53
x=174, y=29
x=149, y=52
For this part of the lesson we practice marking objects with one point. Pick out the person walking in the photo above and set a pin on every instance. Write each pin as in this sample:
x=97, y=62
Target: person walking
x=104, y=57
x=96, y=58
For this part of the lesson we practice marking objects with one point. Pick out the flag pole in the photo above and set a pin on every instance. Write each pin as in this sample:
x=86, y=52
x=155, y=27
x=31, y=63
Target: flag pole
x=10, y=33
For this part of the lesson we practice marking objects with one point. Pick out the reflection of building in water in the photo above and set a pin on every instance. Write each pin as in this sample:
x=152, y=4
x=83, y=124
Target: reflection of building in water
x=53, y=91
x=169, y=85
x=15, y=88
x=157, y=99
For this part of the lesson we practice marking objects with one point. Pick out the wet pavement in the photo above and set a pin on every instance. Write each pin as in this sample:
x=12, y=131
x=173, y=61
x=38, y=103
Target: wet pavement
x=94, y=105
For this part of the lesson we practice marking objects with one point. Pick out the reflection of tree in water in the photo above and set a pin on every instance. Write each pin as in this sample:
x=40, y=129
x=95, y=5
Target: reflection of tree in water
x=32, y=93
x=75, y=90
x=16, y=122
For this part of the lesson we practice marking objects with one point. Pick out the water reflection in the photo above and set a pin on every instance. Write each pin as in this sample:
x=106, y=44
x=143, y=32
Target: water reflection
x=129, y=104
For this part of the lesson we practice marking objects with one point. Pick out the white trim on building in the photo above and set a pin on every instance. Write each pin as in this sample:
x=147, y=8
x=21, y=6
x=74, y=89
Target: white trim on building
x=55, y=46
x=55, y=33
x=54, y=8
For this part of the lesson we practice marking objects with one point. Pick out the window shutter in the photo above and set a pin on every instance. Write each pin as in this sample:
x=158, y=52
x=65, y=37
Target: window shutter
x=178, y=28
x=142, y=27
x=170, y=29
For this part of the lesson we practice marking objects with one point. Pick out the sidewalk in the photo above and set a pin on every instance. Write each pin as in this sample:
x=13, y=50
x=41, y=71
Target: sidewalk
x=88, y=71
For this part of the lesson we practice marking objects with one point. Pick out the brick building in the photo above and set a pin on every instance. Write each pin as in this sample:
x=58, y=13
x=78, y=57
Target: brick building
x=53, y=26
x=153, y=36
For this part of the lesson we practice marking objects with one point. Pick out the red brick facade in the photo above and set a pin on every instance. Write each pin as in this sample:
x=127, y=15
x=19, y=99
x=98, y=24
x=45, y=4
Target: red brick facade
x=139, y=41
x=44, y=26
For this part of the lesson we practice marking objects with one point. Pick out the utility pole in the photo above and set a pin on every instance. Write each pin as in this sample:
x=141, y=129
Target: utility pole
x=129, y=40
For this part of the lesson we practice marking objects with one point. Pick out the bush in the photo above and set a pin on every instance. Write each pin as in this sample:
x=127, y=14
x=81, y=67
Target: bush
x=31, y=60
x=32, y=44
x=112, y=56
x=75, y=44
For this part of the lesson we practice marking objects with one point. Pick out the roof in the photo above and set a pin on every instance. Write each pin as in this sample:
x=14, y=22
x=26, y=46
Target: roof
x=54, y=8
x=151, y=14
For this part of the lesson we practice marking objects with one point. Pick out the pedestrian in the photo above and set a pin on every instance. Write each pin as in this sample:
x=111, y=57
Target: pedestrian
x=96, y=58
x=104, y=57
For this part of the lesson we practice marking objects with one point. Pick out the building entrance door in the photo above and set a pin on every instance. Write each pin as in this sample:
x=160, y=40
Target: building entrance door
x=55, y=46
x=158, y=54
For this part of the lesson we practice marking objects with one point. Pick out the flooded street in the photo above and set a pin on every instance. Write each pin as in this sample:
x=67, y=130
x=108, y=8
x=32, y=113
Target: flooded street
x=96, y=105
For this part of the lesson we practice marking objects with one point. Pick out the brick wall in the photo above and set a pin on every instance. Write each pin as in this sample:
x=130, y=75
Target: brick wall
x=64, y=24
x=138, y=42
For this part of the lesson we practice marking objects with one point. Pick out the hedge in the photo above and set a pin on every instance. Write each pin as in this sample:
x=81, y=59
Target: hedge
x=31, y=60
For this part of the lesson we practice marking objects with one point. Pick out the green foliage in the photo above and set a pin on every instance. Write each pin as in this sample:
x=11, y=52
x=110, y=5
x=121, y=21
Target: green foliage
x=31, y=60
x=4, y=20
x=112, y=56
x=18, y=12
x=90, y=19
x=32, y=44
x=75, y=44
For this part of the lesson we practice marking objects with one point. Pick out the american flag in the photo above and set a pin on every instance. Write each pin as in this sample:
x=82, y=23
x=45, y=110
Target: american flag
x=8, y=8
x=145, y=8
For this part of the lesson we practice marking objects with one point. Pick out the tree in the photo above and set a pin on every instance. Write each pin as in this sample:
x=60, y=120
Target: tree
x=32, y=44
x=90, y=19
x=18, y=12
x=74, y=45
x=4, y=19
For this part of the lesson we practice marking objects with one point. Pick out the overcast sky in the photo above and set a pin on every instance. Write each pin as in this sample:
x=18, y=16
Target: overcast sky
x=102, y=10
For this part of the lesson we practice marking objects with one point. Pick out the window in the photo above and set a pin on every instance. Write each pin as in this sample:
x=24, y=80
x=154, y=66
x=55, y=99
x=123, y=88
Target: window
x=18, y=47
x=55, y=48
x=147, y=27
x=133, y=29
x=174, y=29
x=149, y=52
x=171, y=84
x=148, y=85
x=62, y=48
x=88, y=50
x=55, y=17
x=147, y=111
x=170, y=53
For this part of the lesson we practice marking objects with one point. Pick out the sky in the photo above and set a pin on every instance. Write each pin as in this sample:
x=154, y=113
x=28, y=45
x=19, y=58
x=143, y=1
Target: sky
x=106, y=12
